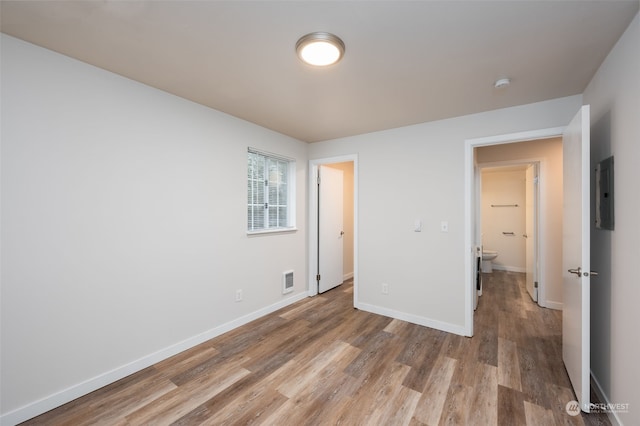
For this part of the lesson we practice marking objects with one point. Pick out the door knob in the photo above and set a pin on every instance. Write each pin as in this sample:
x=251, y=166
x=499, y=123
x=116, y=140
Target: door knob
x=577, y=271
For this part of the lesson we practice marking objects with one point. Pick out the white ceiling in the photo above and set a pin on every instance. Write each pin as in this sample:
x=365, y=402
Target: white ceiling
x=405, y=62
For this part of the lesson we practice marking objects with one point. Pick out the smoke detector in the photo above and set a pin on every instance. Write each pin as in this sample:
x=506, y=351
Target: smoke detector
x=502, y=83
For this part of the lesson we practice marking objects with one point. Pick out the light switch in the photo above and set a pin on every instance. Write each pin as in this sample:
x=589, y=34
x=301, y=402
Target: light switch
x=417, y=226
x=444, y=226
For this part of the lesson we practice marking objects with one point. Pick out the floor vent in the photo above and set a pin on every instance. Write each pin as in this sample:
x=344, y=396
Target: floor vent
x=287, y=282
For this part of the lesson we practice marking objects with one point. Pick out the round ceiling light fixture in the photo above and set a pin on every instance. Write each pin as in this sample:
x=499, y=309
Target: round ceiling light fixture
x=320, y=49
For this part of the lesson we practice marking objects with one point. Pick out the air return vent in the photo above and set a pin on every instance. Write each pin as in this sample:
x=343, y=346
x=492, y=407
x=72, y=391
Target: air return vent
x=287, y=282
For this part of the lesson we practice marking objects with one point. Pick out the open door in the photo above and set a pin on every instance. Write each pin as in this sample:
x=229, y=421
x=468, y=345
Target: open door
x=477, y=258
x=576, y=255
x=530, y=233
x=330, y=228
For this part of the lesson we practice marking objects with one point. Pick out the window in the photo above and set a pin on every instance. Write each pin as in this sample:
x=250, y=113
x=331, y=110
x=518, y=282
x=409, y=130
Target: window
x=269, y=192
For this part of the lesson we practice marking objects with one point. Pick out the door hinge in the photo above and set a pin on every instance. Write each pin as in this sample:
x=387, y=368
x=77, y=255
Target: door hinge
x=535, y=284
x=318, y=277
x=318, y=179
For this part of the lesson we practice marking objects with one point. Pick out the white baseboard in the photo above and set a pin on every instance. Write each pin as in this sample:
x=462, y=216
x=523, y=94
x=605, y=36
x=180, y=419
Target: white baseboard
x=414, y=319
x=508, y=268
x=612, y=415
x=553, y=305
x=57, y=399
x=347, y=276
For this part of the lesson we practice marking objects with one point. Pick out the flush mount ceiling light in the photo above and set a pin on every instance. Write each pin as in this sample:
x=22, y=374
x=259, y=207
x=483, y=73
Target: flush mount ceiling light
x=502, y=83
x=320, y=49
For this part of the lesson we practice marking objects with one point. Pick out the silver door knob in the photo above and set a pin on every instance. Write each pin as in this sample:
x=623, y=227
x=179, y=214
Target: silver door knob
x=577, y=271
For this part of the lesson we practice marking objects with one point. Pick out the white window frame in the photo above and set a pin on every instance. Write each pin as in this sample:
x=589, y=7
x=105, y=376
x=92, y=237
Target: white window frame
x=291, y=190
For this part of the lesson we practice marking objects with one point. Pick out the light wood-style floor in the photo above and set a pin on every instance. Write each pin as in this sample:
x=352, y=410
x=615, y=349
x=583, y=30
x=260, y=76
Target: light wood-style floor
x=321, y=362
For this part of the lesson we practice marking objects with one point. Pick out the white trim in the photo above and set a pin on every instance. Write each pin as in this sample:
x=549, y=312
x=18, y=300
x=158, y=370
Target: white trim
x=516, y=137
x=312, y=289
x=602, y=396
x=469, y=204
x=347, y=276
x=509, y=268
x=469, y=237
x=270, y=154
x=291, y=196
x=551, y=304
x=540, y=206
x=57, y=399
x=414, y=319
x=541, y=219
x=272, y=231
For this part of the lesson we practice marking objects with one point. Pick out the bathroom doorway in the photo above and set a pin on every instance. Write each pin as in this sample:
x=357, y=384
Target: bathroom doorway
x=543, y=147
x=508, y=219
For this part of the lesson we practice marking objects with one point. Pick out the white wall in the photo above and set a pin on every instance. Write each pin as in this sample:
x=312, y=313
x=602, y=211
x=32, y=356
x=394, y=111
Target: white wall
x=504, y=188
x=614, y=96
x=417, y=172
x=123, y=227
x=549, y=153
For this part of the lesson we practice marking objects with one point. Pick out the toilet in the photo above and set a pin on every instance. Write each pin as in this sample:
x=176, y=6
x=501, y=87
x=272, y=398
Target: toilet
x=487, y=258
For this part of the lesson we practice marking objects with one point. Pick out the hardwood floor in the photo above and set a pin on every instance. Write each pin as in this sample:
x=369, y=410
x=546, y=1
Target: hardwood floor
x=321, y=362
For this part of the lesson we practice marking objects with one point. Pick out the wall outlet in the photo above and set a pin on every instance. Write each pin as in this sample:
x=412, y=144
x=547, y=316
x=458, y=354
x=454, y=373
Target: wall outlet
x=238, y=295
x=385, y=288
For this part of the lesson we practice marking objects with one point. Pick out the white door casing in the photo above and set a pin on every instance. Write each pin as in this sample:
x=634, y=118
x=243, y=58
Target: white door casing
x=470, y=208
x=576, y=255
x=530, y=233
x=477, y=259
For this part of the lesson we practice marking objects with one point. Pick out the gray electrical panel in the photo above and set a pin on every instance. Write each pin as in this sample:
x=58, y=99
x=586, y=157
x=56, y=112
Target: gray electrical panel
x=604, y=194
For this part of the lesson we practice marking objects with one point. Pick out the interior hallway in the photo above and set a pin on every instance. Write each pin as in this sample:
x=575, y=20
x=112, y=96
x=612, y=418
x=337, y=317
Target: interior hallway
x=322, y=362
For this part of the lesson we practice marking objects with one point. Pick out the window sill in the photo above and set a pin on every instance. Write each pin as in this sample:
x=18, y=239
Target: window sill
x=272, y=231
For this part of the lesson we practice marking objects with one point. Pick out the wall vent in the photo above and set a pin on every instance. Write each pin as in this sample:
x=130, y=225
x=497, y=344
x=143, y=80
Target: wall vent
x=287, y=282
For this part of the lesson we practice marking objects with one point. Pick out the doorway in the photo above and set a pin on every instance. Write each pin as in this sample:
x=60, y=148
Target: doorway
x=321, y=265
x=574, y=245
x=507, y=217
x=550, y=225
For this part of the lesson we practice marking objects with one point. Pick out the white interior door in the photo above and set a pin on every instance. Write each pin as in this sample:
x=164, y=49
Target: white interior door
x=477, y=258
x=330, y=232
x=576, y=255
x=530, y=233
